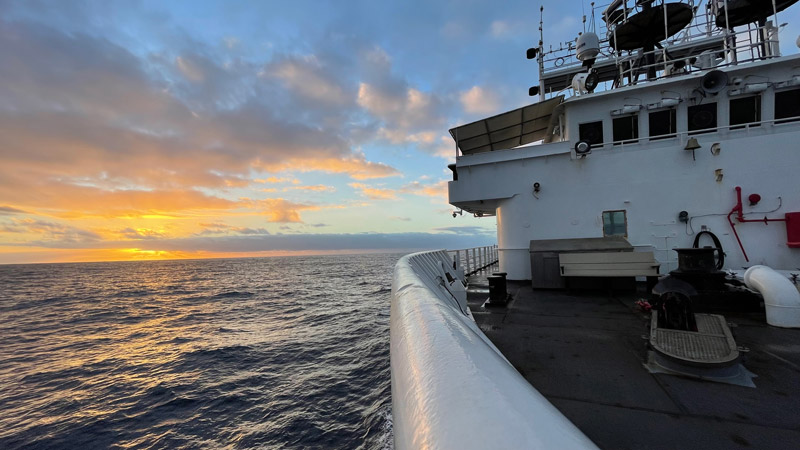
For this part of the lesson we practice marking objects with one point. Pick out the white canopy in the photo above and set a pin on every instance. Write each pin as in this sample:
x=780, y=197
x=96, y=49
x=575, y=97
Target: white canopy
x=507, y=130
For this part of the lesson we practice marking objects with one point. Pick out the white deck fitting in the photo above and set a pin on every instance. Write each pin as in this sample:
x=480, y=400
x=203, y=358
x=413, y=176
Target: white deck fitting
x=608, y=264
x=781, y=297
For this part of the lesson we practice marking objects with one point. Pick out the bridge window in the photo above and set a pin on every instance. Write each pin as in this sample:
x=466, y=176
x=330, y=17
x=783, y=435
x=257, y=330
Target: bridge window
x=591, y=132
x=662, y=124
x=615, y=223
x=787, y=106
x=702, y=118
x=626, y=129
x=745, y=111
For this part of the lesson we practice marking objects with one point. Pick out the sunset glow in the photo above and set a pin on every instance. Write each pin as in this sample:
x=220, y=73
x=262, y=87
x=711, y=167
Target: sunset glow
x=156, y=130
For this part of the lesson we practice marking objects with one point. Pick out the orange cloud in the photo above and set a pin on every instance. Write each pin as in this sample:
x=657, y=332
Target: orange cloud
x=374, y=193
x=356, y=167
x=67, y=200
x=315, y=188
x=275, y=180
x=436, y=190
x=279, y=210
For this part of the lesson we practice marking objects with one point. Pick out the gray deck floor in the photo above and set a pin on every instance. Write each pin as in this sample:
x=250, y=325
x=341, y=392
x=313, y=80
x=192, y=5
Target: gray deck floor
x=585, y=352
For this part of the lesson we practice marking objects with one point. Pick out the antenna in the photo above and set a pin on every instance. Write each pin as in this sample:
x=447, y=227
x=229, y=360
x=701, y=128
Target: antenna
x=541, y=52
x=583, y=12
x=541, y=25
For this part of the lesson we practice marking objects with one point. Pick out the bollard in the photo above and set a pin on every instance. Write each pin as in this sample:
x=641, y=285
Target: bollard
x=497, y=290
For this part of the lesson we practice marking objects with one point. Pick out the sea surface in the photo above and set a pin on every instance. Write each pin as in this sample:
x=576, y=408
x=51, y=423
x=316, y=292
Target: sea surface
x=276, y=353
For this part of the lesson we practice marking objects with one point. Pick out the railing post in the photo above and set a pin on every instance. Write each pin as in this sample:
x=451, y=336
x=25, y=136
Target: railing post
x=474, y=261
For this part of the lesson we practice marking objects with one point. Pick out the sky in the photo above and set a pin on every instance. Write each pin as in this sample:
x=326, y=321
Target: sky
x=193, y=129
x=134, y=129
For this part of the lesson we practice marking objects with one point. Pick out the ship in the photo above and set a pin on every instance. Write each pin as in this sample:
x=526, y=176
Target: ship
x=645, y=291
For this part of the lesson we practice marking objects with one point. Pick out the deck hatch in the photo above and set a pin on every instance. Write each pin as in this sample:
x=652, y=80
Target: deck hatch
x=712, y=344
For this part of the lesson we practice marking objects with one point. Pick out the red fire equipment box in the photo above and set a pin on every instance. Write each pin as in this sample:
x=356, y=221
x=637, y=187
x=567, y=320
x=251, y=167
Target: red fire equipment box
x=793, y=229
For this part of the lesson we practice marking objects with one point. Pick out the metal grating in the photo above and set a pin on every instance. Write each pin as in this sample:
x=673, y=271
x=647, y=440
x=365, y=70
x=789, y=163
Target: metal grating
x=711, y=344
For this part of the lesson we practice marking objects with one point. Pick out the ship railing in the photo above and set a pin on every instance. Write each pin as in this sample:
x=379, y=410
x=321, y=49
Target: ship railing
x=683, y=136
x=447, y=376
x=709, y=45
x=474, y=260
x=739, y=47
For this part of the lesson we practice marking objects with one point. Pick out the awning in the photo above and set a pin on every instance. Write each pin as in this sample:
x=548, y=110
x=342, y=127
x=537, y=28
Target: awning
x=508, y=130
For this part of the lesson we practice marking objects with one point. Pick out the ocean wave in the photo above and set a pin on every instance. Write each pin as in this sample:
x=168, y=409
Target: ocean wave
x=233, y=294
x=117, y=357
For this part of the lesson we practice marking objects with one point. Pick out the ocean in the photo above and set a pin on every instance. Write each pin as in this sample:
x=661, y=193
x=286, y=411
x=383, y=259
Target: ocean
x=274, y=353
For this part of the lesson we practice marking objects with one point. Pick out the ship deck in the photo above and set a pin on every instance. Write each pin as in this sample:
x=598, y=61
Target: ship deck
x=585, y=351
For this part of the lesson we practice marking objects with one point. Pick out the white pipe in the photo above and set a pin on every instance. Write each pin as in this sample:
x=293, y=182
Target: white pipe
x=451, y=387
x=781, y=297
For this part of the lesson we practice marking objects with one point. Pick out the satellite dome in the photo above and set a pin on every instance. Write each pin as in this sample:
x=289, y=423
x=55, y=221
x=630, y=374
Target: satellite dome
x=588, y=46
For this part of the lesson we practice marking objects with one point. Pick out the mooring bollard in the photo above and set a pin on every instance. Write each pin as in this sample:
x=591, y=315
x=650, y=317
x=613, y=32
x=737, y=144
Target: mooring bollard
x=497, y=290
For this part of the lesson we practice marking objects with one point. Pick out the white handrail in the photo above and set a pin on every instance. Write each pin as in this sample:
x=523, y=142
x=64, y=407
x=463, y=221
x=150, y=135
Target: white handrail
x=451, y=387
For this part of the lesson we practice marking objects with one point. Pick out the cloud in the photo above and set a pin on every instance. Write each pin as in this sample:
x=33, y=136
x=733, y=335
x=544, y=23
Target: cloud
x=356, y=167
x=374, y=193
x=308, y=78
x=222, y=228
x=280, y=210
x=248, y=244
x=314, y=188
x=467, y=230
x=115, y=119
x=231, y=42
x=500, y=28
x=277, y=180
x=140, y=233
x=408, y=110
x=69, y=200
x=478, y=100
x=131, y=125
x=8, y=210
x=446, y=148
x=436, y=190
x=50, y=232
x=190, y=69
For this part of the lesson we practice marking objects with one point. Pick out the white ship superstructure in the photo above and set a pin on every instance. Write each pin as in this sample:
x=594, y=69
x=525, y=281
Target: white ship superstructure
x=683, y=117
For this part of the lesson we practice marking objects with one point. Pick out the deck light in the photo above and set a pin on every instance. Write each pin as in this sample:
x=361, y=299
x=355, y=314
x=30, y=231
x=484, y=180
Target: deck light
x=583, y=148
